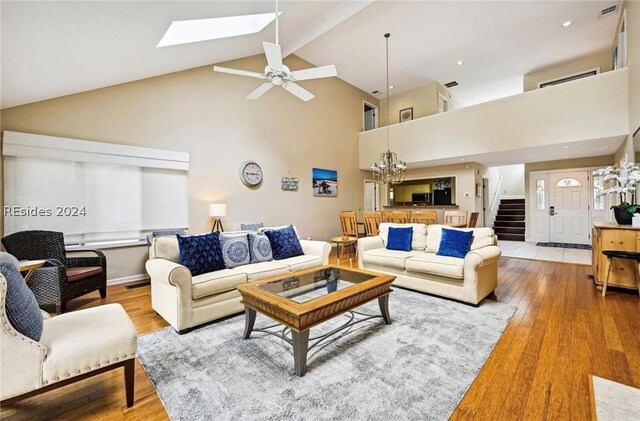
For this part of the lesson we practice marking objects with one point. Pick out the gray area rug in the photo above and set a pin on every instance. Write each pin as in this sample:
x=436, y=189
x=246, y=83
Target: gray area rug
x=417, y=368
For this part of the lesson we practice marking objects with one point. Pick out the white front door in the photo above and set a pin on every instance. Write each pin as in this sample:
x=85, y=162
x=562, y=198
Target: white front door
x=569, y=207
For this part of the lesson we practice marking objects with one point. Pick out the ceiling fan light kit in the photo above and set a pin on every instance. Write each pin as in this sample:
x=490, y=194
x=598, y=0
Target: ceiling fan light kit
x=277, y=74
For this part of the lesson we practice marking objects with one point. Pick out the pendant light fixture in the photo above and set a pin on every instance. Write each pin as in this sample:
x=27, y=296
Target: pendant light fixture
x=389, y=169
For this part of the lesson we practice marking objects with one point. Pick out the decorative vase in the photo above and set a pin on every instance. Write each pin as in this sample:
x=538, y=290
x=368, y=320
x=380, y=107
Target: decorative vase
x=623, y=216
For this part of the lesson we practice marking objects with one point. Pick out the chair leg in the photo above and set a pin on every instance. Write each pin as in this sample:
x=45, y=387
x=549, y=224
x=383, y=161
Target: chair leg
x=61, y=308
x=638, y=278
x=129, y=380
x=606, y=280
x=103, y=292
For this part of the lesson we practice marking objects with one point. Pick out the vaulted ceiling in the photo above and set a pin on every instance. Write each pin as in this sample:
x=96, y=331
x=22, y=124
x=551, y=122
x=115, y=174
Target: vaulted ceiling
x=51, y=49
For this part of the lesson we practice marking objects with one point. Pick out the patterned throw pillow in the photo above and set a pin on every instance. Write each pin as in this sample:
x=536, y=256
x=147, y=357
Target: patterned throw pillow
x=235, y=249
x=251, y=227
x=260, y=248
x=21, y=305
x=284, y=243
x=201, y=253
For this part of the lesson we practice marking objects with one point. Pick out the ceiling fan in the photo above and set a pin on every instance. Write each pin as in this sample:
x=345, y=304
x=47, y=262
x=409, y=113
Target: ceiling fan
x=277, y=74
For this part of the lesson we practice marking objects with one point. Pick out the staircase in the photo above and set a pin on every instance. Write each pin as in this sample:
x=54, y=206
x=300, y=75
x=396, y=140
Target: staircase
x=509, y=223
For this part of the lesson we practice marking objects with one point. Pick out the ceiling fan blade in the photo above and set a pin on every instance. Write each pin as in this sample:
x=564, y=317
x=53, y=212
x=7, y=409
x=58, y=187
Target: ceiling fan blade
x=238, y=72
x=260, y=90
x=315, y=73
x=274, y=55
x=298, y=91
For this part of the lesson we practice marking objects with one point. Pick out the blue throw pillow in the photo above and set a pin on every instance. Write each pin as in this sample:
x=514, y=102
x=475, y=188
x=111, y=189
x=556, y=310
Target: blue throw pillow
x=21, y=305
x=455, y=243
x=259, y=248
x=284, y=243
x=201, y=253
x=235, y=249
x=400, y=238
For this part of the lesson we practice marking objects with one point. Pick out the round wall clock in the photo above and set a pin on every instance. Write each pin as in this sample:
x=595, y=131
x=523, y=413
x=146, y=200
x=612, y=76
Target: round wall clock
x=251, y=174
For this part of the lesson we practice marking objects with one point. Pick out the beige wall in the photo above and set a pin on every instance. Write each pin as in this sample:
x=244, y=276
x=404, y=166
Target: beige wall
x=600, y=60
x=205, y=114
x=633, y=62
x=595, y=161
x=423, y=99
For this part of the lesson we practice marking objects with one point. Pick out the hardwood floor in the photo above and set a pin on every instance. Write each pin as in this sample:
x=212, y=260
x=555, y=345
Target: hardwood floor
x=562, y=332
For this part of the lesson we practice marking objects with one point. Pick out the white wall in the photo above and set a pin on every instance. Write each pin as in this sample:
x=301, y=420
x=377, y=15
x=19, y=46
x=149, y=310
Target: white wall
x=591, y=108
x=512, y=180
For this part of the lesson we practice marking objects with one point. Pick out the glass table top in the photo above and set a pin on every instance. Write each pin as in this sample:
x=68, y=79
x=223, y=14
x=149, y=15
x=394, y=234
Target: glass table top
x=312, y=285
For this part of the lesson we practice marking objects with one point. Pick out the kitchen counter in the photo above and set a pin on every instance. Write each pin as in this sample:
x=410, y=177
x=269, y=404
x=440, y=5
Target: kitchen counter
x=409, y=206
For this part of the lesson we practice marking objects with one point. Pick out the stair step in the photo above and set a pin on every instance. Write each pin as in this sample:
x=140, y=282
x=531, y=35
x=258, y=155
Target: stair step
x=509, y=217
x=511, y=212
x=510, y=237
x=508, y=230
x=513, y=224
x=511, y=206
x=512, y=201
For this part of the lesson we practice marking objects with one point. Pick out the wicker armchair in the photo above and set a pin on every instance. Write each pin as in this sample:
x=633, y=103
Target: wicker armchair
x=62, y=278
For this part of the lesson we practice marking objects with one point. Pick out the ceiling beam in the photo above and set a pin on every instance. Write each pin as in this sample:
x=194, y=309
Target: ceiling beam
x=325, y=23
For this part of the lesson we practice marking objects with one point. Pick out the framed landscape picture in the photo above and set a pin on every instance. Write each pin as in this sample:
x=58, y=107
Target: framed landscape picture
x=325, y=182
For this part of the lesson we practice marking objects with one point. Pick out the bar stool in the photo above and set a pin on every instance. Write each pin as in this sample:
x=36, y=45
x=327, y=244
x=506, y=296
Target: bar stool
x=619, y=254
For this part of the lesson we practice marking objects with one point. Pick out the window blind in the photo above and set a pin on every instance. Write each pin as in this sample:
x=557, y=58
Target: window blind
x=78, y=189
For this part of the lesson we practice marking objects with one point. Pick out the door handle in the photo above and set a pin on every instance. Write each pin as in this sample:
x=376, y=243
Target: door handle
x=552, y=210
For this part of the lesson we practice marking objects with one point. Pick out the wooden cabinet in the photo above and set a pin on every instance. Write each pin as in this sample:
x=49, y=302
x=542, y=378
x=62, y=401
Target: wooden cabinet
x=611, y=236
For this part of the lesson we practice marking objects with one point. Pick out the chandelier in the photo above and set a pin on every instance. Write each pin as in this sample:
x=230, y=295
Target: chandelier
x=389, y=169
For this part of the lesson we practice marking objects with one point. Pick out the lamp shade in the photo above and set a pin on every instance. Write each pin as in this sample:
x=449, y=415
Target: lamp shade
x=218, y=209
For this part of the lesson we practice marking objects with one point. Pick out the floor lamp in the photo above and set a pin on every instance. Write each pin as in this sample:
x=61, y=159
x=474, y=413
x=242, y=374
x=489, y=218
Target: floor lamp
x=217, y=210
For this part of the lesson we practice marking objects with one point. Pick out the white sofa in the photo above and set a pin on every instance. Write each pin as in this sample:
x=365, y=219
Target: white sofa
x=421, y=269
x=186, y=301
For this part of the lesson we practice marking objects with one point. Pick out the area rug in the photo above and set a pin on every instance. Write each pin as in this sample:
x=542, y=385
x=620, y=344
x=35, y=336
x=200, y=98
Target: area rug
x=565, y=245
x=419, y=367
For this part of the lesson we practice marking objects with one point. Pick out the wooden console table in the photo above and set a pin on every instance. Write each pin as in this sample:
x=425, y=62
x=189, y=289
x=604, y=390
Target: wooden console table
x=611, y=236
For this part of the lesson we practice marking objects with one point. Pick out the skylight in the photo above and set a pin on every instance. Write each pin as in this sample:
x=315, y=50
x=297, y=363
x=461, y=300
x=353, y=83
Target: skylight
x=186, y=31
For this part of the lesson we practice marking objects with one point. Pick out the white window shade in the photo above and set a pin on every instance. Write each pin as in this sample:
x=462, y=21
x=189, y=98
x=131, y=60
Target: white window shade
x=111, y=202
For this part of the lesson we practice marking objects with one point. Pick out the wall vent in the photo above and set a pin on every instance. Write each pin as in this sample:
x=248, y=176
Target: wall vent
x=608, y=11
x=451, y=84
x=376, y=92
x=569, y=78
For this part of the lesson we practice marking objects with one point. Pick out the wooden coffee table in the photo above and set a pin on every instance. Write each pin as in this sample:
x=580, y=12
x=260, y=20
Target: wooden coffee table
x=304, y=299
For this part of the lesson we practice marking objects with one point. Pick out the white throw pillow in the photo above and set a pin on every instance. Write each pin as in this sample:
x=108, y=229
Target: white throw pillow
x=419, y=239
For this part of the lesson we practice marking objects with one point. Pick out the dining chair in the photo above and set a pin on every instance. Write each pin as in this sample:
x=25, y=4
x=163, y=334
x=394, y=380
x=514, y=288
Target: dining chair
x=427, y=218
x=456, y=218
x=372, y=223
x=349, y=224
x=473, y=220
x=398, y=217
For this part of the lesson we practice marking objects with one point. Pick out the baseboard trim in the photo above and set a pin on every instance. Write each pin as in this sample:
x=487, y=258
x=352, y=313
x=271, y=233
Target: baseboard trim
x=126, y=279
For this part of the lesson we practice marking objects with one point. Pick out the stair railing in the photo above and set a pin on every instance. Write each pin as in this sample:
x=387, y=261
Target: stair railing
x=493, y=209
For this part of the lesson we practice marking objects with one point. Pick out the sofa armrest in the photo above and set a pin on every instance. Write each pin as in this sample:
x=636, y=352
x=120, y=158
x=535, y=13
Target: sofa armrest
x=482, y=257
x=368, y=243
x=168, y=272
x=316, y=248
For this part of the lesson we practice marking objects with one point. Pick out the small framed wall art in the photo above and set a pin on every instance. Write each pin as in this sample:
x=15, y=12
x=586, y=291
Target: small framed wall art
x=406, y=114
x=289, y=183
x=325, y=182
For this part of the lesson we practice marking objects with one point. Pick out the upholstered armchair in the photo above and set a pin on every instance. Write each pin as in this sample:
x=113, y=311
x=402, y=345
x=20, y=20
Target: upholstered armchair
x=62, y=278
x=73, y=346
